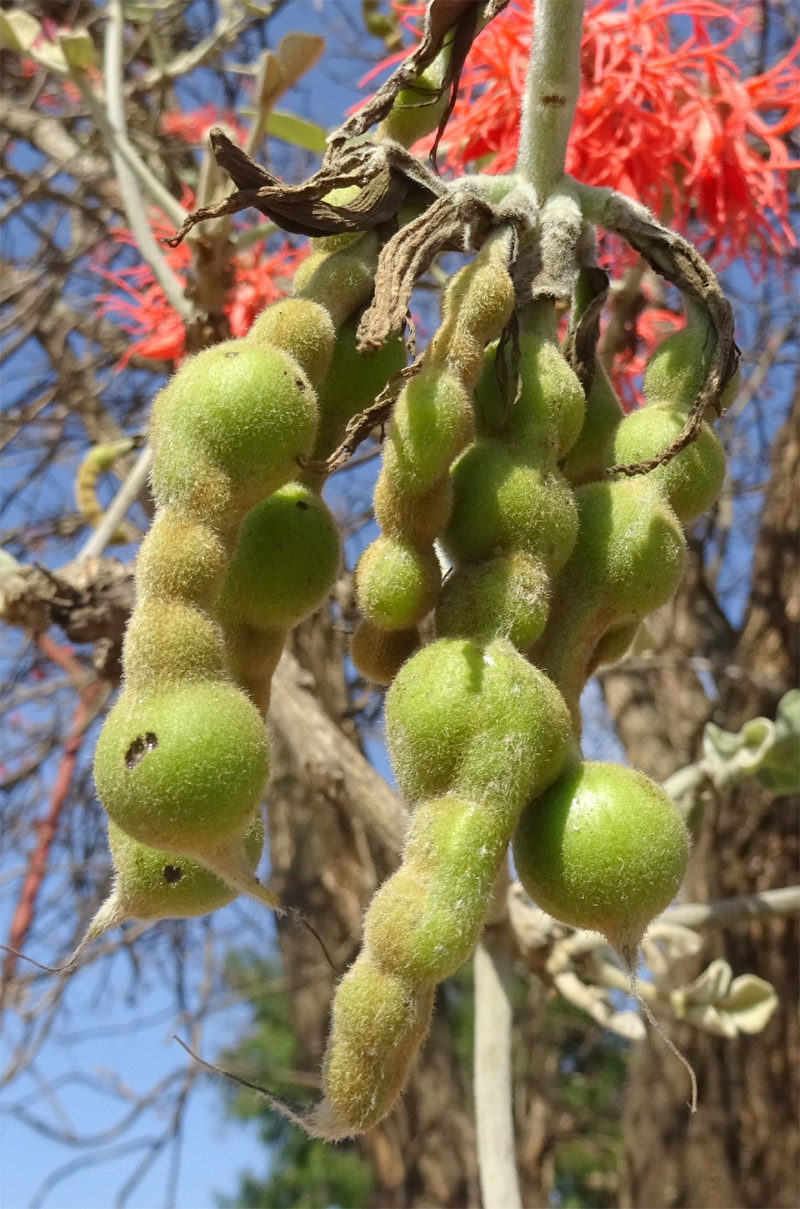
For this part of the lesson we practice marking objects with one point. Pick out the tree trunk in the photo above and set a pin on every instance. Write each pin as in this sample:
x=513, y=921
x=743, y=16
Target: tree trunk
x=743, y=1146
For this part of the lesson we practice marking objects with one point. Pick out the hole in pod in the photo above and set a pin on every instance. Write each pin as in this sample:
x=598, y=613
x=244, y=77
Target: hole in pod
x=141, y=745
x=234, y=353
x=302, y=505
x=172, y=873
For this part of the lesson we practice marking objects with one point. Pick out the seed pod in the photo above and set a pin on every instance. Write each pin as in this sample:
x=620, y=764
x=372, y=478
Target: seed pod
x=180, y=559
x=379, y=654
x=431, y=423
x=503, y=504
x=248, y=411
x=285, y=561
x=585, y=460
x=689, y=482
x=302, y=328
x=604, y=848
x=397, y=583
x=353, y=383
x=506, y=597
x=627, y=560
x=418, y=517
x=183, y=769
x=166, y=642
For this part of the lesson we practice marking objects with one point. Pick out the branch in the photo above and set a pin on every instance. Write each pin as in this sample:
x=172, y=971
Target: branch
x=493, y=1100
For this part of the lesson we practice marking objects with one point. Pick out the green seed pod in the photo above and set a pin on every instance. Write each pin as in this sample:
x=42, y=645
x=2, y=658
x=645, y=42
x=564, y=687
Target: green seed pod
x=676, y=369
x=352, y=384
x=418, y=110
x=342, y=280
x=627, y=561
x=302, y=328
x=548, y=415
x=153, y=884
x=689, y=482
x=379, y=654
x=396, y=583
x=476, y=305
x=167, y=642
x=506, y=597
x=478, y=722
x=585, y=461
x=604, y=848
x=418, y=518
x=425, y=921
x=180, y=559
x=248, y=411
x=253, y=655
x=378, y=1025
x=431, y=423
x=182, y=769
x=285, y=561
x=503, y=503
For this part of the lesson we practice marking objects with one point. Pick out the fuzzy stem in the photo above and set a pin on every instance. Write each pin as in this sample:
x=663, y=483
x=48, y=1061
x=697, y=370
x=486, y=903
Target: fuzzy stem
x=495, y=1122
x=551, y=91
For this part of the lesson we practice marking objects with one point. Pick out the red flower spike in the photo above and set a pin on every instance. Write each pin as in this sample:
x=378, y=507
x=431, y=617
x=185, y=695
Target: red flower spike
x=138, y=305
x=663, y=116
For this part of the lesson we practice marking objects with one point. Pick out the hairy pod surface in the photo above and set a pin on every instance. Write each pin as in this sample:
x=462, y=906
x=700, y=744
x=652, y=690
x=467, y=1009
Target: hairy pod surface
x=379, y=1024
x=604, y=848
x=166, y=642
x=420, y=518
x=431, y=422
x=689, y=482
x=150, y=883
x=285, y=562
x=585, y=461
x=182, y=768
x=353, y=383
x=505, y=597
x=397, y=583
x=379, y=654
x=548, y=415
x=425, y=921
x=301, y=327
x=247, y=411
x=181, y=559
x=627, y=561
x=479, y=722
x=503, y=503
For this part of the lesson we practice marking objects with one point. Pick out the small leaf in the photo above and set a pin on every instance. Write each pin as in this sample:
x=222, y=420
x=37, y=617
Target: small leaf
x=712, y=984
x=750, y=1002
x=270, y=81
x=297, y=53
x=297, y=131
x=18, y=30
x=77, y=48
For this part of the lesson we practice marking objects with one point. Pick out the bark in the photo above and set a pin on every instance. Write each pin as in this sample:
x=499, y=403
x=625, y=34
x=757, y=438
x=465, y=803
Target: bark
x=742, y=1148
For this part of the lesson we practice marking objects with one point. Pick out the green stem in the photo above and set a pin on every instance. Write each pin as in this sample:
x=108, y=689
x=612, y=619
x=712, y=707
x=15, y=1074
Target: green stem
x=551, y=92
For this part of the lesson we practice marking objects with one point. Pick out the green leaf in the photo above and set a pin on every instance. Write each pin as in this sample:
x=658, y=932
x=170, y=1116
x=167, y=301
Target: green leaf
x=297, y=131
x=78, y=48
x=18, y=30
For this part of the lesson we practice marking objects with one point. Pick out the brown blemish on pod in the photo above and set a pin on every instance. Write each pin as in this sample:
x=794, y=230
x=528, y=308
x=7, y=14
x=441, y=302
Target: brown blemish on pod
x=139, y=748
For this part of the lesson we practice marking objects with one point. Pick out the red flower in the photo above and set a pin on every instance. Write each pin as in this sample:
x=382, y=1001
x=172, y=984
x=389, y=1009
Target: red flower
x=139, y=306
x=663, y=115
x=193, y=125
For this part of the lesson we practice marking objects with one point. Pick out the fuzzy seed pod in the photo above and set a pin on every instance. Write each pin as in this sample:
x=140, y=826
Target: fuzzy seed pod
x=504, y=503
x=585, y=461
x=396, y=583
x=604, y=848
x=248, y=411
x=689, y=482
x=379, y=654
x=506, y=597
x=303, y=329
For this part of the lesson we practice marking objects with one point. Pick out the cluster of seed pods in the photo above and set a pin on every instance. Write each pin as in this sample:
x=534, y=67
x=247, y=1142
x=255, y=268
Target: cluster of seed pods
x=548, y=578
x=509, y=566
x=239, y=552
